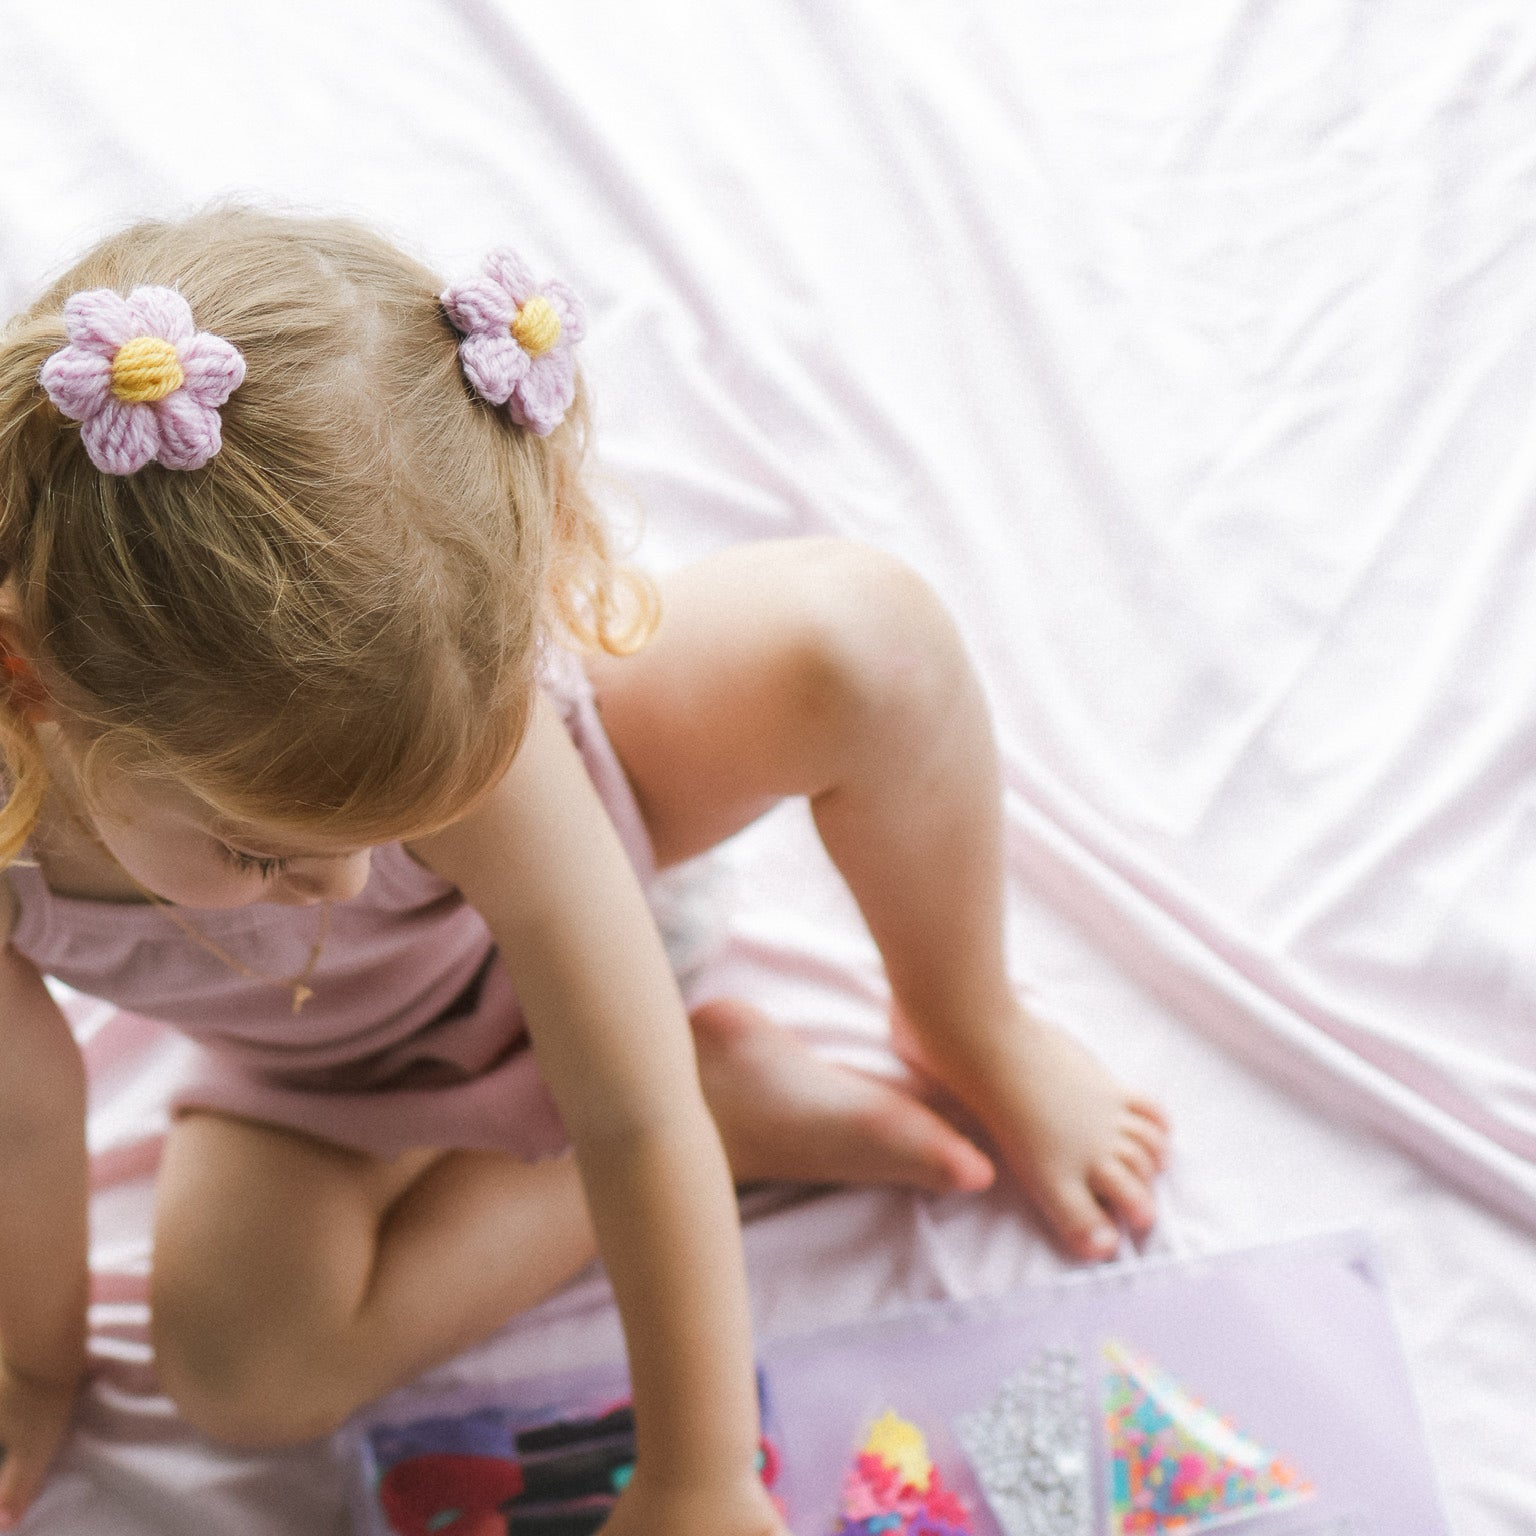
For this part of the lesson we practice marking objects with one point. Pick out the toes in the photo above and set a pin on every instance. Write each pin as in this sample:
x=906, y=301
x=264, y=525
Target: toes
x=910, y=1144
x=785, y=1114
x=1149, y=1134
x=1150, y=1110
x=1079, y=1222
x=1125, y=1194
x=1136, y=1156
x=968, y=1169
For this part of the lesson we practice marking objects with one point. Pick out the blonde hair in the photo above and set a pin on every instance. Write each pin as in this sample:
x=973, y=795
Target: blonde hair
x=335, y=622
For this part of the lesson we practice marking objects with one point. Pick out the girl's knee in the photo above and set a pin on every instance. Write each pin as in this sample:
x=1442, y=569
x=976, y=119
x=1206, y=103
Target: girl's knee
x=872, y=636
x=232, y=1382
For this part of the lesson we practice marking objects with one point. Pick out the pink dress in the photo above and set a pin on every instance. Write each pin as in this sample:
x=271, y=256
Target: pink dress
x=413, y=1036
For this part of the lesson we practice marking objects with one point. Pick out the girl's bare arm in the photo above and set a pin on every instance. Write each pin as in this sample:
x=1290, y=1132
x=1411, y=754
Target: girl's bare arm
x=43, y=1193
x=543, y=865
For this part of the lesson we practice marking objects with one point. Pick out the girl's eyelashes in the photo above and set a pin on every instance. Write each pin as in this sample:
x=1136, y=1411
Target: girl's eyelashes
x=246, y=862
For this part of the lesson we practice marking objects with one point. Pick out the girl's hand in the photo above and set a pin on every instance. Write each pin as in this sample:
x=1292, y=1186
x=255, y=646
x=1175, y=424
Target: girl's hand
x=733, y=1508
x=34, y=1418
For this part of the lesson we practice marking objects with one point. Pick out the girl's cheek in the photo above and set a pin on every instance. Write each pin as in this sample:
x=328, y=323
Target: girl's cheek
x=187, y=879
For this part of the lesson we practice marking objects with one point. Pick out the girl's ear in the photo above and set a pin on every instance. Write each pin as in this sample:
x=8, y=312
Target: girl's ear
x=19, y=681
x=24, y=688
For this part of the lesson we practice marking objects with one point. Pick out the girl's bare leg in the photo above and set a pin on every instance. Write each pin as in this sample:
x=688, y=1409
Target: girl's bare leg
x=820, y=668
x=295, y=1281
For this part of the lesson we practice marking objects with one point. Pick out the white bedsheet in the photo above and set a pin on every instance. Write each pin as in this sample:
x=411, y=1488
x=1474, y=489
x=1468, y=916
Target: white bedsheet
x=1190, y=350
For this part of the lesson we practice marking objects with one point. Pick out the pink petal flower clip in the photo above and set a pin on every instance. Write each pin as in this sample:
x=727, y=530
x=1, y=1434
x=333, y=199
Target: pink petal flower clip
x=143, y=382
x=518, y=341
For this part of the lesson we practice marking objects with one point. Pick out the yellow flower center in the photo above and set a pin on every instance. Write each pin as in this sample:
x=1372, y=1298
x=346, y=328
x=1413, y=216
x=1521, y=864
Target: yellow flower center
x=537, y=326
x=146, y=369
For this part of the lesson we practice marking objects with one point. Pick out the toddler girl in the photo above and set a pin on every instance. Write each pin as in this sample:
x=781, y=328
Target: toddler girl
x=296, y=564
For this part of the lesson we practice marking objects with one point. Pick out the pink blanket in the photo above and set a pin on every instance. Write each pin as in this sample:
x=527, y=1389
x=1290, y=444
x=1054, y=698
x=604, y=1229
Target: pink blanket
x=1188, y=350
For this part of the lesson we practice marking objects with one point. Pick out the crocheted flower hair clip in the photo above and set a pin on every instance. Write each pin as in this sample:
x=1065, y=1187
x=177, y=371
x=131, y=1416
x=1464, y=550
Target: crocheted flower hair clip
x=143, y=382
x=518, y=340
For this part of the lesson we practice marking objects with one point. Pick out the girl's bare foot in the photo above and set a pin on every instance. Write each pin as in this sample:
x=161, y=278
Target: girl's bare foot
x=1086, y=1151
x=784, y=1113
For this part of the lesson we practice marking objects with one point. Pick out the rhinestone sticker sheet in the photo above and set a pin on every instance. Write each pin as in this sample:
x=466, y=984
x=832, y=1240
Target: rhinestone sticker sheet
x=1031, y=1449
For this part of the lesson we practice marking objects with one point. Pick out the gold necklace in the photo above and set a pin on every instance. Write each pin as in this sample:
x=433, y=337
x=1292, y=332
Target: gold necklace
x=298, y=982
x=301, y=992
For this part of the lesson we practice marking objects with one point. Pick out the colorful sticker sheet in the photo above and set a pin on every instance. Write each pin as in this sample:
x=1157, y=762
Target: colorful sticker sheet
x=1031, y=1448
x=1175, y=1466
x=894, y=1489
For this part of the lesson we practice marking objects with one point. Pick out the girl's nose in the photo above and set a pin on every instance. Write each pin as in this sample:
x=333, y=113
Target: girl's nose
x=338, y=879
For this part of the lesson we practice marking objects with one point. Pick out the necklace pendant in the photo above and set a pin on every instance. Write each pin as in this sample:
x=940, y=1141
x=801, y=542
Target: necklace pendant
x=301, y=995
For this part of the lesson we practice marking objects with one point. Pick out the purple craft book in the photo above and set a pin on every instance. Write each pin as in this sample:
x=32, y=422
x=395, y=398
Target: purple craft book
x=1259, y=1393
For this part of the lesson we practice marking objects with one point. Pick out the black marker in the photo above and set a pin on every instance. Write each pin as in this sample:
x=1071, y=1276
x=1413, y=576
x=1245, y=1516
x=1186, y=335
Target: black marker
x=603, y=1468
x=549, y=1437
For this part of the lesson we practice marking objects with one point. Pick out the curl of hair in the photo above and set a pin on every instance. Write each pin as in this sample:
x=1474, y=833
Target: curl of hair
x=28, y=778
x=336, y=621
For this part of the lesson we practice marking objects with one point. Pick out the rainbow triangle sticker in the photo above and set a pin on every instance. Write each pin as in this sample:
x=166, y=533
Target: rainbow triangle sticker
x=1174, y=1465
x=894, y=1489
